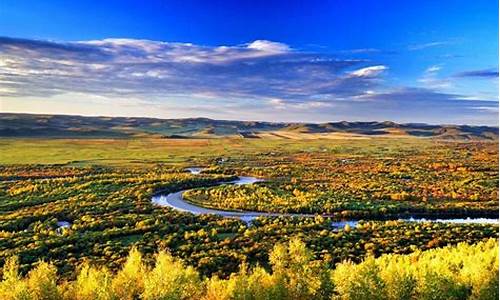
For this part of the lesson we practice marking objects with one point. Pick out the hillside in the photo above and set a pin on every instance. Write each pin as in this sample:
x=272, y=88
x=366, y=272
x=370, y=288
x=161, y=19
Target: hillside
x=66, y=126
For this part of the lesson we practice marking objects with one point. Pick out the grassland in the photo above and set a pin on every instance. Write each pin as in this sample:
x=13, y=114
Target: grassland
x=86, y=152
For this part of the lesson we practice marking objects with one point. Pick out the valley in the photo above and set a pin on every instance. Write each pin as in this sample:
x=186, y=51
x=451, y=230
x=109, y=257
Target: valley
x=219, y=204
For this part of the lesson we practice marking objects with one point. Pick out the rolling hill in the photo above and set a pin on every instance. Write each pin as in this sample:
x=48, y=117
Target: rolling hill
x=66, y=126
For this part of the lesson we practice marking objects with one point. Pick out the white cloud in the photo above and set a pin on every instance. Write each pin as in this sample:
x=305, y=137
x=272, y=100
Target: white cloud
x=276, y=102
x=132, y=50
x=431, y=79
x=268, y=46
x=253, y=81
x=428, y=45
x=142, y=68
x=371, y=71
x=493, y=109
x=362, y=51
x=433, y=69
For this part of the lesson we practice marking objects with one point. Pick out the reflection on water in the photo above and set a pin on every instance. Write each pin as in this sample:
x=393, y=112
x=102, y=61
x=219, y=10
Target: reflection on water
x=459, y=220
x=341, y=224
x=247, y=219
x=246, y=180
x=62, y=225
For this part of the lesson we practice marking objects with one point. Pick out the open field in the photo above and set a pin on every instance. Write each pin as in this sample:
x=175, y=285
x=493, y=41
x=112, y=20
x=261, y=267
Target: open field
x=150, y=151
x=156, y=150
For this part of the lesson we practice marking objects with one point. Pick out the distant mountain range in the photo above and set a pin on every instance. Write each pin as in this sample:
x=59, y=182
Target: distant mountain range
x=65, y=126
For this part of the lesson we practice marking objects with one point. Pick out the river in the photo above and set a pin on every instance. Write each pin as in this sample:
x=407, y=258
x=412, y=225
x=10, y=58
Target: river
x=176, y=201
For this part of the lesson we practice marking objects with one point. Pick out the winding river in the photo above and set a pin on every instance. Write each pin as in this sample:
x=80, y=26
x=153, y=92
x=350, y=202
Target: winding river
x=176, y=201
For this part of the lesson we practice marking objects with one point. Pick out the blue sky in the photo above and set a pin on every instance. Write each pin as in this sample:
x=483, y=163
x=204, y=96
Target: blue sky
x=314, y=61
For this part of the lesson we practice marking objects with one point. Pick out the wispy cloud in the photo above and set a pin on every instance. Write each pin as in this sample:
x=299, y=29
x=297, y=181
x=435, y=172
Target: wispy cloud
x=493, y=109
x=118, y=67
x=257, y=80
x=371, y=71
x=486, y=73
x=362, y=51
x=433, y=69
x=431, y=78
x=428, y=45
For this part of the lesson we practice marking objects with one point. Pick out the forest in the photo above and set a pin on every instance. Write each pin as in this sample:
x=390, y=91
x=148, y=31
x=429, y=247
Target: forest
x=453, y=272
x=77, y=219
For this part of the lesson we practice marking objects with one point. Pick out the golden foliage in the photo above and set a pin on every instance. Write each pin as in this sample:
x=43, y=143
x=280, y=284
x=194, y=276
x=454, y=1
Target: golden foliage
x=454, y=272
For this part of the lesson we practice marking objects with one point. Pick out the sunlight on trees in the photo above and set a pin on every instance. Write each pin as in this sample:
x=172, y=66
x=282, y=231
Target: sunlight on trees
x=129, y=281
x=171, y=279
x=13, y=286
x=454, y=272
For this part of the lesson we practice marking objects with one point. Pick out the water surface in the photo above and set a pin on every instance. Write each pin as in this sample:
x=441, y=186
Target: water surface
x=177, y=202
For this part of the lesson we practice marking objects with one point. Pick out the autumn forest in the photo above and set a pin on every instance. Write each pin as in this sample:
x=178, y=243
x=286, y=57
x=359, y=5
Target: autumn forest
x=359, y=218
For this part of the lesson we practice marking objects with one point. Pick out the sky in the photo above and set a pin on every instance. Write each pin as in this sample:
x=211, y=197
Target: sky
x=308, y=61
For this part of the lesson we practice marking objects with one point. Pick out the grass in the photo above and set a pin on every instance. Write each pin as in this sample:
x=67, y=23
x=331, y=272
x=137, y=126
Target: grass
x=116, y=152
